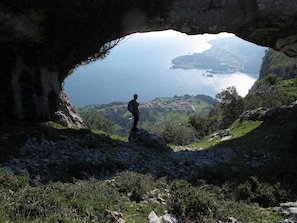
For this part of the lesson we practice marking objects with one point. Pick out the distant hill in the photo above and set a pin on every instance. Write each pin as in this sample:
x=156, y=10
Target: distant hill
x=227, y=55
x=158, y=111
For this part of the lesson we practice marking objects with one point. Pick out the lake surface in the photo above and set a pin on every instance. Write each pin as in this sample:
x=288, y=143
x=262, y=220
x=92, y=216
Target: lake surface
x=141, y=64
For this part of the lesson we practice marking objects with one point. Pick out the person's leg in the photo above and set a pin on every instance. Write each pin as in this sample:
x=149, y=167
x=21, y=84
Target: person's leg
x=135, y=122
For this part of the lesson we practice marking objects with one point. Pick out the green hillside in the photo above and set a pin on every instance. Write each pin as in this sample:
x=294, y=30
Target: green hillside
x=156, y=112
x=277, y=83
x=279, y=64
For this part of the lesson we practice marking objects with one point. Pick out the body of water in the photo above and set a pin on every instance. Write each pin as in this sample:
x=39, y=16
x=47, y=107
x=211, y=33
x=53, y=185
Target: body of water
x=141, y=64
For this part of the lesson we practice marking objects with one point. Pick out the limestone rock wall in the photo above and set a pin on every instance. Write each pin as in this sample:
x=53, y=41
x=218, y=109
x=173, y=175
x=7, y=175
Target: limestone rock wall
x=278, y=63
x=28, y=91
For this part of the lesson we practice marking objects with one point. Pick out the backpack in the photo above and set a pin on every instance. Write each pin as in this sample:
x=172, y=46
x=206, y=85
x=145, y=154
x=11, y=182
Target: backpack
x=130, y=106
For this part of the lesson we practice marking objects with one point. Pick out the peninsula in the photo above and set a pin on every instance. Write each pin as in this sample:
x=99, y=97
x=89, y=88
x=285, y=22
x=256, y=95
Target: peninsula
x=227, y=55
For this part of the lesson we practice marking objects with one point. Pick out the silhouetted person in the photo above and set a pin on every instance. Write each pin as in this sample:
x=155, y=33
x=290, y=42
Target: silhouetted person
x=135, y=113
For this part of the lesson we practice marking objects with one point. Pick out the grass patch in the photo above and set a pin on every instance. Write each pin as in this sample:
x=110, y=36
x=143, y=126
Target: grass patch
x=240, y=128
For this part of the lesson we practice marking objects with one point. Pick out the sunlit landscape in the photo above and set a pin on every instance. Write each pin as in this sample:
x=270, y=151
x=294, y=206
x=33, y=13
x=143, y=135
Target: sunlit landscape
x=141, y=63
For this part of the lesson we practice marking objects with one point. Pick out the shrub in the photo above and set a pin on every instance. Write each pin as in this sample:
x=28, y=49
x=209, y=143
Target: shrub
x=94, y=120
x=10, y=181
x=253, y=190
x=270, y=79
x=178, y=134
x=134, y=185
x=204, y=125
x=191, y=203
x=174, y=133
x=265, y=96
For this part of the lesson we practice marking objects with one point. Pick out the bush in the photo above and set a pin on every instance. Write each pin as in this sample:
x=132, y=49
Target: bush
x=265, y=96
x=177, y=134
x=253, y=190
x=134, y=185
x=10, y=181
x=94, y=120
x=209, y=204
x=270, y=79
x=204, y=125
x=191, y=203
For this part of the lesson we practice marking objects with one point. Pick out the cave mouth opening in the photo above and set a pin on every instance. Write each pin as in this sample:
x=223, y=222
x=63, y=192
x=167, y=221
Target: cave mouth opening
x=142, y=63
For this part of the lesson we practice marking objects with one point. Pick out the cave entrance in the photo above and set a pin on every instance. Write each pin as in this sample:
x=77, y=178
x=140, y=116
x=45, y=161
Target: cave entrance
x=142, y=63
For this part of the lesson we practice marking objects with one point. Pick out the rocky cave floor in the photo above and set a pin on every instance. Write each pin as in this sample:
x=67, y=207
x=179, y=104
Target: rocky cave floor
x=68, y=157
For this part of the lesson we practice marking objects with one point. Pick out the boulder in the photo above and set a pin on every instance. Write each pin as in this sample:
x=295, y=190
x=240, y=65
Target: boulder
x=153, y=218
x=282, y=113
x=167, y=218
x=289, y=209
x=143, y=136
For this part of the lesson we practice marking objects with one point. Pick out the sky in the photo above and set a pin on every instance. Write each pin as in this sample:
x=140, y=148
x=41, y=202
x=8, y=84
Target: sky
x=172, y=41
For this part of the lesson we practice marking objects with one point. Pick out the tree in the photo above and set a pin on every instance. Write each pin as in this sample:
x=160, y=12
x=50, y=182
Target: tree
x=94, y=120
x=204, y=125
x=265, y=96
x=231, y=105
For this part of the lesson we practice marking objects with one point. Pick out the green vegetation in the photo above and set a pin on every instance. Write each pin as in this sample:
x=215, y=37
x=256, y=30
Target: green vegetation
x=174, y=133
x=278, y=63
x=275, y=90
x=241, y=128
x=154, y=115
x=94, y=200
x=189, y=119
x=209, y=203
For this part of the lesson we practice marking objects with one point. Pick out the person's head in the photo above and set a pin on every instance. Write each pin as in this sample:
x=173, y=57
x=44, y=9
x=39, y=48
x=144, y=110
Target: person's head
x=135, y=96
